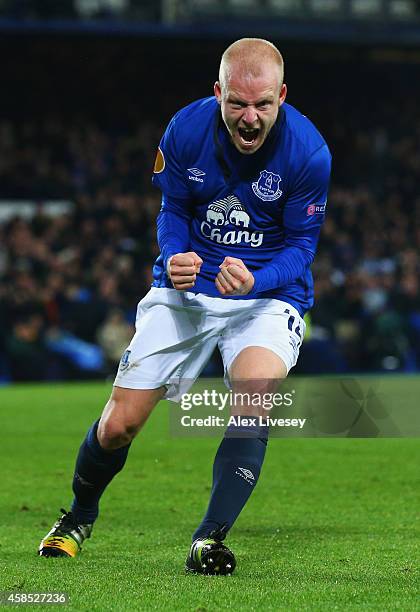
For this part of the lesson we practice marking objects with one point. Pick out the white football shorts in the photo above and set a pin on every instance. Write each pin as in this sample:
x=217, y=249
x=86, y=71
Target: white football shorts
x=176, y=333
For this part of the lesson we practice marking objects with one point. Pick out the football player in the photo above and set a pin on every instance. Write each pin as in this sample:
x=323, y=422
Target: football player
x=244, y=179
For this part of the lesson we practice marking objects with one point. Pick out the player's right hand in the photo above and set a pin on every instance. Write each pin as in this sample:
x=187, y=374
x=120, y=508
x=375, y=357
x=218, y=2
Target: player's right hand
x=182, y=269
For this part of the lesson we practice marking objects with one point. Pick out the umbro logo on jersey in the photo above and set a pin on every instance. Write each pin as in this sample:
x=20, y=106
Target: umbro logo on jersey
x=195, y=175
x=196, y=171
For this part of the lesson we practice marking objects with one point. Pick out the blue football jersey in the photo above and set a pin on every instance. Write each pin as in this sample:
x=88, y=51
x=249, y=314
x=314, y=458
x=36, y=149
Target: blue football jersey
x=265, y=208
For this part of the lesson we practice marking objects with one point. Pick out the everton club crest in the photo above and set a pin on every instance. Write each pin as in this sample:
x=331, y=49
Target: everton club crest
x=125, y=361
x=267, y=187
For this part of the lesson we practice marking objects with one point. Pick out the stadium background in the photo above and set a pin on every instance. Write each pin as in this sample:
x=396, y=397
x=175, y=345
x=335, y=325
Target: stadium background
x=88, y=87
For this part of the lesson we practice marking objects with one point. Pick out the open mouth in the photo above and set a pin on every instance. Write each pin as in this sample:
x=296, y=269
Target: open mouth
x=248, y=136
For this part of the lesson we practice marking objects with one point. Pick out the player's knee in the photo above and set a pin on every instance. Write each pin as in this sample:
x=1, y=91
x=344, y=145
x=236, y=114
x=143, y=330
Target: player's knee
x=114, y=433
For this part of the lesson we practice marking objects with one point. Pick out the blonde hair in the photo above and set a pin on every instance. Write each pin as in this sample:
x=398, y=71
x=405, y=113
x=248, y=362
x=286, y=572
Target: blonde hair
x=248, y=56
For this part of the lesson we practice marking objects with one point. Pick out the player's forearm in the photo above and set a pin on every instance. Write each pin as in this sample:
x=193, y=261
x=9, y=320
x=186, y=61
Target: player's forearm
x=173, y=234
x=284, y=268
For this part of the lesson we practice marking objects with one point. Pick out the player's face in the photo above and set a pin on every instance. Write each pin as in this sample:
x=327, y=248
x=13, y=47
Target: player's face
x=250, y=108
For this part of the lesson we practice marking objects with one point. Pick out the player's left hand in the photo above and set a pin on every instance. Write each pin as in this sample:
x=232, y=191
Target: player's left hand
x=234, y=277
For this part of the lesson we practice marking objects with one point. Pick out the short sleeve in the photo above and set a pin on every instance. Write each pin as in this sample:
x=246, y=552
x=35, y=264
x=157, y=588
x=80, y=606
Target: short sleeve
x=168, y=173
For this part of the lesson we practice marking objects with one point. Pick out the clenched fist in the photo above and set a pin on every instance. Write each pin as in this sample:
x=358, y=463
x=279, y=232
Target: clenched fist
x=182, y=269
x=234, y=277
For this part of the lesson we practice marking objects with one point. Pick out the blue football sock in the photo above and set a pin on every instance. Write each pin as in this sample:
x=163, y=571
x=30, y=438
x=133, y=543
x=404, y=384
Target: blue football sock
x=95, y=468
x=236, y=469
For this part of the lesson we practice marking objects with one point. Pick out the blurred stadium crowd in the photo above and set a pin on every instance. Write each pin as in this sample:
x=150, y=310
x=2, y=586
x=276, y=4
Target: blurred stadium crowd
x=69, y=284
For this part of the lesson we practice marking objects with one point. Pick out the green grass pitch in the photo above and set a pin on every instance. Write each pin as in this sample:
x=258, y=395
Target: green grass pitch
x=332, y=525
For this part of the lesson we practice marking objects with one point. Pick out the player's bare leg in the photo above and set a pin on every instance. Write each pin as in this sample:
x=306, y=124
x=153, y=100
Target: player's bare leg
x=238, y=462
x=101, y=456
x=125, y=413
x=257, y=363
